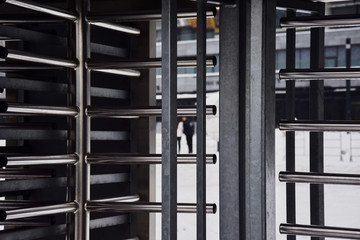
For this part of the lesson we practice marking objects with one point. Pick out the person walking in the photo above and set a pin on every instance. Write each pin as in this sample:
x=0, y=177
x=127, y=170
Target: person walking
x=180, y=132
x=189, y=132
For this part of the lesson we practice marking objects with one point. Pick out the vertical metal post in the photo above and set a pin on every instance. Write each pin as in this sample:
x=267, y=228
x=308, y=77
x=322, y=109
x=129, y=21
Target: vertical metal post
x=247, y=172
x=169, y=123
x=348, y=83
x=70, y=149
x=201, y=121
x=290, y=114
x=316, y=108
x=230, y=40
x=82, y=218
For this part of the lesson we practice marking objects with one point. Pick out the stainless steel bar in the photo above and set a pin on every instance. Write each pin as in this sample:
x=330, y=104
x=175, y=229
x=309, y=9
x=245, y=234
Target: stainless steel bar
x=168, y=122
x=141, y=207
x=143, y=16
x=38, y=211
x=319, y=178
x=125, y=112
x=83, y=127
x=219, y=2
x=290, y=114
x=115, y=27
x=19, y=108
x=319, y=126
x=143, y=159
x=122, y=72
x=320, y=21
x=147, y=63
x=319, y=74
x=36, y=58
x=201, y=121
x=132, y=198
x=37, y=160
x=43, y=9
x=319, y=231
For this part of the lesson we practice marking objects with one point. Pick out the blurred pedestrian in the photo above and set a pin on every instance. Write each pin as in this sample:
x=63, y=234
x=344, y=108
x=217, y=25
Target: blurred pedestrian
x=189, y=132
x=180, y=132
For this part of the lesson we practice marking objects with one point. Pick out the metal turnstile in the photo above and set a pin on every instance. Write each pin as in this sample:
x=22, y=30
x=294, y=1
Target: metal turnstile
x=316, y=125
x=79, y=118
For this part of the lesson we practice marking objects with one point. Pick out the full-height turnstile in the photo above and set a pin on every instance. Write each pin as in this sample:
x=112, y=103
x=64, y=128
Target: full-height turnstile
x=79, y=118
x=316, y=125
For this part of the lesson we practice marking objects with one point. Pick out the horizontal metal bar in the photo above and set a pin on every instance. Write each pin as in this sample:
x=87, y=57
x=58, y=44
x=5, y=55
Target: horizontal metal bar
x=143, y=207
x=131, y=198
x=122, y=72
x=143, y=159
x=36, y=58
x=319, y=74
x=43, y=9
x=218, y=2
x=28, y=109
x=319, y=231
x=319, y=126
x=320, y=21
x=37, y=160
x=319, y=178
x=127, y=112
x=116, y=27
x=37, y=211
x=147, y=63
x=143, y=16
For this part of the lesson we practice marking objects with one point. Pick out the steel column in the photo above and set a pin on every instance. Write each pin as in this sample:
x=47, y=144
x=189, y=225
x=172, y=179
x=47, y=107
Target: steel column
x=201, y=121
x=169, y=123
x=316, y=112
x=247, y=57
x=82, y=187
x=290, y=114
